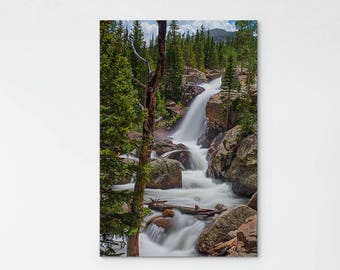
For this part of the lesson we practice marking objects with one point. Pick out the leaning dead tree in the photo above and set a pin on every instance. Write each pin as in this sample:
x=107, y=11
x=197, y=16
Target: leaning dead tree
x=149, y=104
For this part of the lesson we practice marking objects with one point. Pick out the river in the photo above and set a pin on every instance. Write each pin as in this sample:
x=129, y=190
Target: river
x=197, y=188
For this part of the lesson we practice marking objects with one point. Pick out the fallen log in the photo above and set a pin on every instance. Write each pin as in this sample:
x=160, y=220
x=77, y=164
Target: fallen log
x=162, y=205
x=154, y=201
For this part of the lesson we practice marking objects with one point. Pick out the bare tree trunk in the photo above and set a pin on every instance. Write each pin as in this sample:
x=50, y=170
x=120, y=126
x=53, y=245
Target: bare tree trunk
x=147, y=139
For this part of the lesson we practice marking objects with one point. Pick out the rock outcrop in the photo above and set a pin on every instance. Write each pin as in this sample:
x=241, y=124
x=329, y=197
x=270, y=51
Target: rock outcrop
x=213, y=74
x=163, y=146
x=216, y=110
x=243, y=170
x=222, y=152
x=183, y=156
x=246, y=239
x=164, y=221
x=243, y=243
x=210, y=132
x=190, y=93
x=220, y=228
x=179, y=152
x=174, y=109
x=165, y=174
x=193, y=76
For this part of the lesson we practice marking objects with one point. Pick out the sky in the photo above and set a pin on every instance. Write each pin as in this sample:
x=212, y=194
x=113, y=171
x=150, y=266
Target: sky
x=150, y=27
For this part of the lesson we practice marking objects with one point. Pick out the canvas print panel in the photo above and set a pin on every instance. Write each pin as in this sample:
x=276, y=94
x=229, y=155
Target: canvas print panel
x=178, y=138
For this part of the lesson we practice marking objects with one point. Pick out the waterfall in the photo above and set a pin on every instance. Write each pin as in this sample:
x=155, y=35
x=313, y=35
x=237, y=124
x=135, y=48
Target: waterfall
x=193, y=122
x=155, y=233
x=197, y=188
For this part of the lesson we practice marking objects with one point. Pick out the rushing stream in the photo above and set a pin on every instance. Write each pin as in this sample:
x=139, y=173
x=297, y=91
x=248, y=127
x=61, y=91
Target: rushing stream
x=198, y=189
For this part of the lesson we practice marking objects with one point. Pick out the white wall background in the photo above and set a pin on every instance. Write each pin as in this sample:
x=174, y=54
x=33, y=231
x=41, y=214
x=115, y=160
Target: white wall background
x=49, y=137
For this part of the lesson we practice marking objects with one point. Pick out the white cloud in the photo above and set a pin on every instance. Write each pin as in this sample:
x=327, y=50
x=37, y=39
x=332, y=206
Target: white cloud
x=192, y=26
x=150, y=28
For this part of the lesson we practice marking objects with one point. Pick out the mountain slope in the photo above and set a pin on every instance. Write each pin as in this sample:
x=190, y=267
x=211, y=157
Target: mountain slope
x=221, y=34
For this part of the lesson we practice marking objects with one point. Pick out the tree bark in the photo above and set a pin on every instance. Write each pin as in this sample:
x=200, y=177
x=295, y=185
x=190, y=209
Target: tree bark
x=149, y=103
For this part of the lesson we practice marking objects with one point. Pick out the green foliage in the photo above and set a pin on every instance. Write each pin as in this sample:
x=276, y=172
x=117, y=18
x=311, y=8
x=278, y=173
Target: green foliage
x=248, y=112
x=210, y=52
x=172, y=120
x=249, y=122
x=246, y=43
x=212, y=57
x=139, y=69
x=188, y=52
x=118, y=116
x=199, y=49
x=161, y=106
x=230, y=80
x=174, y=64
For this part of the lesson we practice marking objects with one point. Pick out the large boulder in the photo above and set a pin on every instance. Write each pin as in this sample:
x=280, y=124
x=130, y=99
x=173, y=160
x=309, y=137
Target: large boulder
x=183, y=156
x=193, y=76
x=247, y=233
x=222, y=151
x=164, y=221
x=216, y=110
x=246, y=239
x=168, y=149
x=190, y=92
x=243, y=170
x=218, y=231
x=165, y=174
x=163, y=146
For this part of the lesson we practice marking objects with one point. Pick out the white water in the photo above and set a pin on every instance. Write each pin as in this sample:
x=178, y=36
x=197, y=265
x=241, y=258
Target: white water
x=197, y=189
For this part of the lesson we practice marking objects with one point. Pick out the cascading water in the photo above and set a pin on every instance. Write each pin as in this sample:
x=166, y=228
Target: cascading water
x=197, y=188
x=192, y=125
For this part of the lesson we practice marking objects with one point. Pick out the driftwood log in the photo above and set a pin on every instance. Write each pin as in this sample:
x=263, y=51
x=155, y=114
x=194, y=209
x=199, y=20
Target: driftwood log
x=196, y=210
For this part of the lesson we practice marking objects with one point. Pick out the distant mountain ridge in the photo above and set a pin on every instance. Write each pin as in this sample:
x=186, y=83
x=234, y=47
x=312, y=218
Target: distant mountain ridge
x=220, y=34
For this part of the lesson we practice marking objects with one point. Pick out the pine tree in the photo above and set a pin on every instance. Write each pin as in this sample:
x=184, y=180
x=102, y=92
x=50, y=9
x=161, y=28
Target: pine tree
x=188, y=52
x=212, y=57
x=139, y=70
x=206, y=42
x=221, y=51
x=199, y=50
x=246, y=42
x=153, y=51
x=175, y=64
x=230, y=82
x=118, y=116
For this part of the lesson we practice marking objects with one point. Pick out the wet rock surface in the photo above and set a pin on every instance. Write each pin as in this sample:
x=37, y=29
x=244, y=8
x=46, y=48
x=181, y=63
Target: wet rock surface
x=222, y=152
x=165, y=174
x=219, y=230
x=243, y=170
